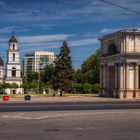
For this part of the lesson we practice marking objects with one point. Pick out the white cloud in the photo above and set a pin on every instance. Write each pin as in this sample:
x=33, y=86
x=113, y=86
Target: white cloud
x=108, y=30
x=44, y=38
x=39, y=46
x=32, y=46
x=84, y=42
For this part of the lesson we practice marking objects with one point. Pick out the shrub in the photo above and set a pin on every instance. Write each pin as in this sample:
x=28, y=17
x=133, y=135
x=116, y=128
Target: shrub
x=95, y=88
x=78, y=88
x=87, y=88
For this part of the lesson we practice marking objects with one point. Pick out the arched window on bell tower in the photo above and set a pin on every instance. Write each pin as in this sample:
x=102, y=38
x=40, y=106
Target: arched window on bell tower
x=13, y=46
x=13, y=72
x=13, y=56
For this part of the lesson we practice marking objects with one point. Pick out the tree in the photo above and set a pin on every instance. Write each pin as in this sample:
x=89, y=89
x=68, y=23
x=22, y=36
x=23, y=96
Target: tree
x=34, y=86
x=14, y=85
x=25, y=86
x=32, y=76
x=29, y=86
x=63, y=72
x=6, y=85
x=47, y=75
x=79, y=76
x=89, y=71
x=1, y=88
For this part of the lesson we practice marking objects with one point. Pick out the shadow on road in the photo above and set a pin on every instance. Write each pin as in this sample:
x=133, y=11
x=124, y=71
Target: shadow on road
x=29, y=106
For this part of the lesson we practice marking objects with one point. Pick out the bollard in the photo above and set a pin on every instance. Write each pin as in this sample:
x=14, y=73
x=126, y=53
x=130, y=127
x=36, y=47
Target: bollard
x=27, y=97
x=5, y=98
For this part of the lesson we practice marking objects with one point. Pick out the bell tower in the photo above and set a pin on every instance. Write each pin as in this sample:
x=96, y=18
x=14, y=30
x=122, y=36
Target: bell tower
x=13, y=68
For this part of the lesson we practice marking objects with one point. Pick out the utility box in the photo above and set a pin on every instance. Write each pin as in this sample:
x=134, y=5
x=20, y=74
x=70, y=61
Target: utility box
x=5, y=98
x=27, y=97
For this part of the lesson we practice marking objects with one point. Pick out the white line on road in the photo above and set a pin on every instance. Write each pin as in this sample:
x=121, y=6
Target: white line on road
x=16, y=117
x=20, y=116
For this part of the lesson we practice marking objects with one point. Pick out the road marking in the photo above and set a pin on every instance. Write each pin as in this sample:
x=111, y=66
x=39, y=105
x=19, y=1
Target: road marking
x=16, y=117
x=44, y=117
x=20, y=116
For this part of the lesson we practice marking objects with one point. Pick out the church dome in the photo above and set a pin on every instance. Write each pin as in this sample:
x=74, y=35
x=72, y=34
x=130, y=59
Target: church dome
x=1, y=62
x=13, y=39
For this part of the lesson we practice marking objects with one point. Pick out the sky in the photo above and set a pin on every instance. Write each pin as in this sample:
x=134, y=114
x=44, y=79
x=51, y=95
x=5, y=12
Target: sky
x=43, y=25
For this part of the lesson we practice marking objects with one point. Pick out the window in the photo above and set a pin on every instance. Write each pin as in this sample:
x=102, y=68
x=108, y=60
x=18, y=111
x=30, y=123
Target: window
x=112, y=49
x=13, y=46
x=13, y=56
x=13, y=72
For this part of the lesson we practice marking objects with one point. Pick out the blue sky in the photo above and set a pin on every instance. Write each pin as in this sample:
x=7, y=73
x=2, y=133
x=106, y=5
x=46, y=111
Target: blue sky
x=45, y=24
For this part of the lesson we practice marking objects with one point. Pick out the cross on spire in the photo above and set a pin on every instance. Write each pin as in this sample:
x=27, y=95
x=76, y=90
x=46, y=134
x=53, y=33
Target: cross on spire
x=13, y=33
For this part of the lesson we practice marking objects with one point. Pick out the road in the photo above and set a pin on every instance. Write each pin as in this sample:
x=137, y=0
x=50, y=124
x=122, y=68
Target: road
x=70, y=121
x=29, y=106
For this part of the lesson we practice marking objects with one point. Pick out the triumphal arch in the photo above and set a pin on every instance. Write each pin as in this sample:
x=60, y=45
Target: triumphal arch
x=120, y=64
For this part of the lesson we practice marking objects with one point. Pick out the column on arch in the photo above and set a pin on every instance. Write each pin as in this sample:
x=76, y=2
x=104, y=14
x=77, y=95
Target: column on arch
x=116, y=76
x=104, y=78
x=116, y=80
x=136, y=73
x=121, y=76
x=121, y=79
x=130, y=82
x=137, y=80
x=101, y=77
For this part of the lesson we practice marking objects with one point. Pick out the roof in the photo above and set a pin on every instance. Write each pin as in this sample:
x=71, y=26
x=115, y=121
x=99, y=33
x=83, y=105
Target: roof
x=13, y=39
x=29, y=55
x=123, y=31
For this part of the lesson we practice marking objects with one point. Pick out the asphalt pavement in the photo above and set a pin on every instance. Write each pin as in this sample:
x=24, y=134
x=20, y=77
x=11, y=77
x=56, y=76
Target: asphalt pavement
x=71, y=125
x=80, y=118
x=67, y=103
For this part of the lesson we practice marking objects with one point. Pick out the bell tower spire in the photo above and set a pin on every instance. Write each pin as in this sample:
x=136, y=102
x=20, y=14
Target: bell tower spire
x=13, y=33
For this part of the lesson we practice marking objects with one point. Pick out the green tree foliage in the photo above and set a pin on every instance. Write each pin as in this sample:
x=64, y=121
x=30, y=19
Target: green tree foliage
x=78, y=88
x=14, y=85
x=32, y=86
x=63, y=72
x=26, y=87
x=32, y=76
x=47, y=75
x=89, y=71
x=95, y=88
x=79, y=77
x=6, y=85
x=86, y=88
x=1, y=88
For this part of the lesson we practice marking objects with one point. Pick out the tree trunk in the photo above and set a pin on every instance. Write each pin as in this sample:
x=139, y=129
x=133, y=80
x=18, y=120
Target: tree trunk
x=61, y=93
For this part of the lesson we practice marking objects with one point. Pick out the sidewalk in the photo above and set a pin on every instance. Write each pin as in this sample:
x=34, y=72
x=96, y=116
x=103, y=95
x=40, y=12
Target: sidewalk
x=64, y=99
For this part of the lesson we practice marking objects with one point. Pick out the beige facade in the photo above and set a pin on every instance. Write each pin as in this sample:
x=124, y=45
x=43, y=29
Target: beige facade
x=43, y=58
x=38, y=61
x=120, y=64
x=28, y=63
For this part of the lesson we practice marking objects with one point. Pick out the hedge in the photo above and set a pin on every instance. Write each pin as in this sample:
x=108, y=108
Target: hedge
x=86, y=88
